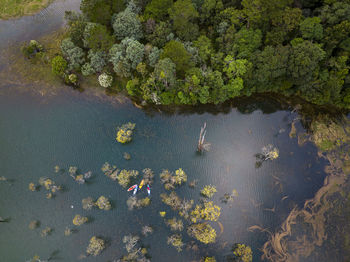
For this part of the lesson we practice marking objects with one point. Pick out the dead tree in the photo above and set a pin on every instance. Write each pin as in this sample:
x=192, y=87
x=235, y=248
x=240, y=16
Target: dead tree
x=202, y=145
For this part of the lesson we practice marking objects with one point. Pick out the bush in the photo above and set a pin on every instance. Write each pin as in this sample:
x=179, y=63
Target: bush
x=58, y=65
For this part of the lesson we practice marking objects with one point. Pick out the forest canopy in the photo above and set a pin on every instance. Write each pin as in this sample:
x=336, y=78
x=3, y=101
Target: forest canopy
x=209, y=51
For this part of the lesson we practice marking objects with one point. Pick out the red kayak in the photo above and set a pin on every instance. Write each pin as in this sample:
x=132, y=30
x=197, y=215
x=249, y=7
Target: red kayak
x=132, y=187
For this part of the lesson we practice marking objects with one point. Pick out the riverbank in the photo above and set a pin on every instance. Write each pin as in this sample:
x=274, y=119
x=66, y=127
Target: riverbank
x=10, y=9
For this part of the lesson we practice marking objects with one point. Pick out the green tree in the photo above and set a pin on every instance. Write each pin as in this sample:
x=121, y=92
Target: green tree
x=183, y=14
x=158, y=9
x=127, y=24
x=98, y=60
x=311, y=28
x=260, y=12
x=304, y=59
x=97, y=11
x=97, y=37
x=159, y=35
x=58, y=65
x=73, y=54
x=205, y=48
x=165, y=71
x=176, y=51
x=246, y=42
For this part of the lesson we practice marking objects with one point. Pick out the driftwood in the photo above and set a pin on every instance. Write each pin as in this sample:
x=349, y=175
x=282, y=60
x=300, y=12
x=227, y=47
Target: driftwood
x=202, y=145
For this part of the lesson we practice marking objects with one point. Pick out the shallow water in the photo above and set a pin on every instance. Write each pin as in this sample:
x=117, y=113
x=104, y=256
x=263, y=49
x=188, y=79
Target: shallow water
x=77, y=129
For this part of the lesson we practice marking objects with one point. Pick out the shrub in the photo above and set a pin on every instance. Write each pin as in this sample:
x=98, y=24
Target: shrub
x=58, y=65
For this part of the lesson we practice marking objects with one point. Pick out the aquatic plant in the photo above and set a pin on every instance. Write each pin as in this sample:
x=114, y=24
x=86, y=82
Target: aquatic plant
x=72, y=171
x=105, y=80
x=146, y=230
x=229, y=198
x=78, y=220
x=176, y=241
x=171, y=200
x=148, y=176
x=68, y=231
x=243, y=253
x=124, y=177
x=96, y=245
x=110, y=171
x=205, y=211
x=57, y=169
x=32, y=187
x=88, y=203
x=130, y=242
x=175, y=224
x=185, y=207
x=49, y=186
x=180, y=176
x=170, y=181
x=46, y=231
x=124, y=134
x=270, y=152
x=193, y=183
x=33, y=224
x=167, y=179
x=208, y=191
x=267, y=153
x=103, y=203
x=126, y=156
x=202, y=232
x=209, y=259
x=134, y=202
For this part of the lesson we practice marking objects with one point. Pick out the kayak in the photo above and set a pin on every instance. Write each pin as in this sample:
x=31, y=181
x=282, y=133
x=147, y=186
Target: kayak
x=141, y=184
x=148, y=190
x=132, y=187
x=135, y=190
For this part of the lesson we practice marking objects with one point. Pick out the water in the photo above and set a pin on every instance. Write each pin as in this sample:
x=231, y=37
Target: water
x=78, y=129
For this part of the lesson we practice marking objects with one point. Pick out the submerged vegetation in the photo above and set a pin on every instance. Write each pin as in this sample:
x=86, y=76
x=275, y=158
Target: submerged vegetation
x=96, y=246
x=208, y=191
x=124, y=134
x=243, y=253
x=171, y=180
x=78, y=220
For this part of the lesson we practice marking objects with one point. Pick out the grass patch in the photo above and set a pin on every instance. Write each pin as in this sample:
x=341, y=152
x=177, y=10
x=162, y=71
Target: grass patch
x=17, y=8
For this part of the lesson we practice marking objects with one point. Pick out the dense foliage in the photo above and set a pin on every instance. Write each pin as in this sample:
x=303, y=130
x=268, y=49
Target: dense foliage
x=209, y=51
